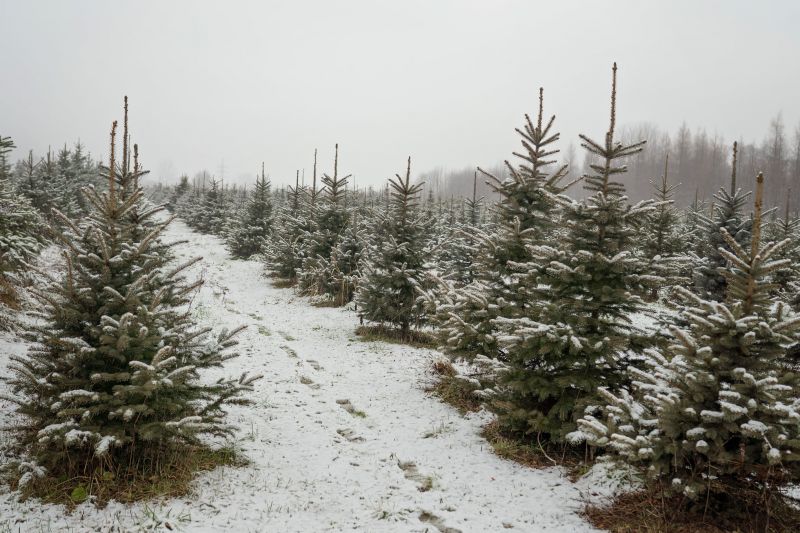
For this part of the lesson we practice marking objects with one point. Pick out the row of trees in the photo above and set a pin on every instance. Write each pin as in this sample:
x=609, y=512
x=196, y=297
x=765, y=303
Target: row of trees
x=700, y=161
x=567, y=305
x=111, y=385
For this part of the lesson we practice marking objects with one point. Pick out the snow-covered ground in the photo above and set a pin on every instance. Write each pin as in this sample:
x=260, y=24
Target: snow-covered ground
x=341, y=435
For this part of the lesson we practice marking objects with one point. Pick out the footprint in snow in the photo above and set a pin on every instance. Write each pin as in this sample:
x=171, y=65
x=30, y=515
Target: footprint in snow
x=409, y=468
x=308, y=382
x=350, y=435
x=437, y=522
x=347, y=406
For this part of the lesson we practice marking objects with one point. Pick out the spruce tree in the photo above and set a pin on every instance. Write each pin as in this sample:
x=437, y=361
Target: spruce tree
x=393, y=268
x=526, y=213
x=328, y=222
x=20, y=238
x=248, y=235
x=709, y=278
x=575, y=333
x=717, y=412
x=113, y=377
x=211, y=215
x=663, y=240
x=283, y=250
x=787, y=228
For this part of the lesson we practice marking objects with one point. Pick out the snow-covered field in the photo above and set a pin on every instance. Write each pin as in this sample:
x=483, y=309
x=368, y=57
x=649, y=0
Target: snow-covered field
x=341, y=435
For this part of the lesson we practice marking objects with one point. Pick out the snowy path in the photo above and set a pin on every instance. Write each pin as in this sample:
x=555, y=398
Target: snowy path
x=341, y=435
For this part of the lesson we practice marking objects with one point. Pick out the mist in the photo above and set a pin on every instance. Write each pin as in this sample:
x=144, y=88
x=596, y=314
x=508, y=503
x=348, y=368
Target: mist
x=222, y=87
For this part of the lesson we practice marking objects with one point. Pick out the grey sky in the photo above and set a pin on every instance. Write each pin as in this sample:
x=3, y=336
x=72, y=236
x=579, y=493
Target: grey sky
x=445, y=81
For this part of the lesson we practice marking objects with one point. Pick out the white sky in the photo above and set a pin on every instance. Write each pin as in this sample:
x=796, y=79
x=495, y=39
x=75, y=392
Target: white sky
x=444, y=81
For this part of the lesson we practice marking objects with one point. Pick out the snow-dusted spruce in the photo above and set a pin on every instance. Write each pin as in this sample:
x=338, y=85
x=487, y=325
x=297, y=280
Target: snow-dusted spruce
x=248, y=234
x=786, y=278
x=283, y=250
x=113, y=375
x=181, y=189
x=709, y=279
x=575, y=333
x=343, y=269
x=211, y=215
x=719, y=409
x=526, y=212
x=393, y=268
x=455, y=243
x=330, y=219
x=20, y=237
x=664, y=243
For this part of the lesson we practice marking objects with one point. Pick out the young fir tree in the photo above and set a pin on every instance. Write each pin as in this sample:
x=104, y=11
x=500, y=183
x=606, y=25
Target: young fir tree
x=664, y=243
x=212, y=213
x=283, y=255
x=576, y=334
x=526, y=212
x=718, y=410
x=787, y=228
x=709, y=278
x=20, y=237
x=393, y=269
x=346, y=260
x=113, y=376
x=329, y=220
x=178, y=192
x=456, y=242
x=249, y=233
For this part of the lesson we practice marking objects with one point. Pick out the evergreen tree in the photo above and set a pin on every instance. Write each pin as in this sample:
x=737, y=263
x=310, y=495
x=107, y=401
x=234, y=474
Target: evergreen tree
x=709, y=278
x=526, y=213
x=249, y=233
x=283, y=250
x=211, y=215
x=20, y=238
x=178, y=192
x=664, y=243
x=718, y=411
x=113, y=376
x=576, y=334
x=393, y=269
x=328, y=221
x=787, y=228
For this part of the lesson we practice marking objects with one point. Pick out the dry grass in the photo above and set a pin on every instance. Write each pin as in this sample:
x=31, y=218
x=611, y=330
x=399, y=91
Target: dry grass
x=417, y=339
x=653, y=511
x=535, y=453
x=167, y=474
x=283, y=283
x=451, y=390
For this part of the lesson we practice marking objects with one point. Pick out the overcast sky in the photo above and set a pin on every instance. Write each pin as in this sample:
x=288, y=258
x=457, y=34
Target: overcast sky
x=445, y=81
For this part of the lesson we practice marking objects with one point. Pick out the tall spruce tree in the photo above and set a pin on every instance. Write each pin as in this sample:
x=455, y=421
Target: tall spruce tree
x=393, y=269
x=526, y=212
x=576, y=333
x=718, y=411
x=114, y=373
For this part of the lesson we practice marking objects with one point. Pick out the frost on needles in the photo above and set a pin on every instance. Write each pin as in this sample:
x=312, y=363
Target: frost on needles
x=718, y=410
x=115, y=371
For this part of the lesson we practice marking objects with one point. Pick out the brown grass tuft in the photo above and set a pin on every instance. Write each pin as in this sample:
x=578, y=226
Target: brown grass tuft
x=451, y=390
x=417, y=339
x=168, y=473
x=654, y=511
x=283, y=283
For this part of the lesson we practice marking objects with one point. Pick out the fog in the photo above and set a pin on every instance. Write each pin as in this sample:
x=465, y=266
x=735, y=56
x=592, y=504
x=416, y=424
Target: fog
x=224, y=86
